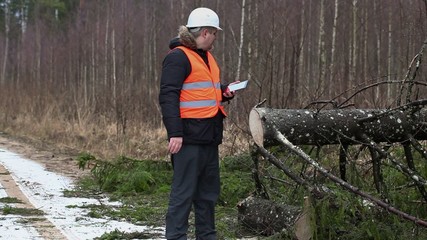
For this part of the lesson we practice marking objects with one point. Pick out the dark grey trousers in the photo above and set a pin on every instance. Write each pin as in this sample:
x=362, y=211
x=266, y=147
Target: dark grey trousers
x=196, y=183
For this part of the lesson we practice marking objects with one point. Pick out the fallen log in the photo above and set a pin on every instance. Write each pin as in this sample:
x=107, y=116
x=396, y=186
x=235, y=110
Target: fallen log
x=340, y=126
x=266, y=217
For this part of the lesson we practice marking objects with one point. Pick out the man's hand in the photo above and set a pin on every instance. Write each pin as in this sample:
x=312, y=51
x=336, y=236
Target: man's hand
x=228, y=93
x=175, y=144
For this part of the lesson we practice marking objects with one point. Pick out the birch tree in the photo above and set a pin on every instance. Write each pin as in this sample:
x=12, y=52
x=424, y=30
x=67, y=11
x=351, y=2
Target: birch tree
x=6, y=42
x=333, y=48
x=302, y=67
x=377, y=28
x=242, y=35
x=389, y=55
x=321, y=49
x=354, y=45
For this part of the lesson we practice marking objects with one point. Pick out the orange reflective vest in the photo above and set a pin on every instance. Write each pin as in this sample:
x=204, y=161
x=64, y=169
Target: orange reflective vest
x=201, y=92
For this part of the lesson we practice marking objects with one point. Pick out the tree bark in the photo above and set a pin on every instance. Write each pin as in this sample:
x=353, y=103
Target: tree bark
x=6, y=42
x=343, y=126
x=390, y=51
x=332, y=66
x=321, y=50
x=354, y=46
x=266, y=217
x=242, y=35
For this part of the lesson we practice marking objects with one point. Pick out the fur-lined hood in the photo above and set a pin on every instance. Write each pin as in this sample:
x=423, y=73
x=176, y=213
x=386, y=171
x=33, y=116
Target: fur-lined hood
x=186, y=38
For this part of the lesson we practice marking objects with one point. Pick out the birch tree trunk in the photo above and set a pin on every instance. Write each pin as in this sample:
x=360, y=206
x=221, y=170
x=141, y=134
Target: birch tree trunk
x=389, y=55
x=321, y=49
x=251, y=49
x=355, y=28
x=107, y=30
x=365, y=46
x=20, y=53
x=93, y=65
x=96, y=56
x=378, y=52
x=6, y=43
x=114, y=76
x=242, y=29
x=332, y=90
x=149, y=61
x=38, y=50
x=302, y=66
x=84, y=78
x=309, y=62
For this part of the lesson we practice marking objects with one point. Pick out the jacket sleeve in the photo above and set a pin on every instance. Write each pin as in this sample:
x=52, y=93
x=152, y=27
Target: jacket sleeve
x=175, y=70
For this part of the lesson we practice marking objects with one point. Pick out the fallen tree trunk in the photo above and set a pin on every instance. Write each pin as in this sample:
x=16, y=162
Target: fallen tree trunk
x=340, y=126
x=265, y=217
x=367, y=127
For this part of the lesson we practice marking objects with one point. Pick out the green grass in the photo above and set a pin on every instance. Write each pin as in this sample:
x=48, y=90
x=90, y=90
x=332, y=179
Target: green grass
x=30, y=220
x=10, y=200
x=116, y=234
x=9, y=210
x=143, y=189
x=142, y=186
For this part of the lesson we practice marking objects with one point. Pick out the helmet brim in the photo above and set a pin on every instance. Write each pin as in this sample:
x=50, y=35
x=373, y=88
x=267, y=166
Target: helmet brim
x=191, y=26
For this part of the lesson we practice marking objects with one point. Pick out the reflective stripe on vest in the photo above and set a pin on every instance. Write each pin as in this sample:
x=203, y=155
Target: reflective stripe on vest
x=201, y=92
x=196, y=85
x=195, y=104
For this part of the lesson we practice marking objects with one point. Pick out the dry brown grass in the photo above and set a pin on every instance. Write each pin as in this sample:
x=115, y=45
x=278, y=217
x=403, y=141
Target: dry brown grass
x=70, y=125
x=99, y=136
x=99, y=139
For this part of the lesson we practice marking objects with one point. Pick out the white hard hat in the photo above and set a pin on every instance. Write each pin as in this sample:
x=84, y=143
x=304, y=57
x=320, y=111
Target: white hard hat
x=203, y=17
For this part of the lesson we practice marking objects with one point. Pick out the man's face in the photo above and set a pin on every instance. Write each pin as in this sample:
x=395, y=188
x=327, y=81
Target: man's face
x=209, y=38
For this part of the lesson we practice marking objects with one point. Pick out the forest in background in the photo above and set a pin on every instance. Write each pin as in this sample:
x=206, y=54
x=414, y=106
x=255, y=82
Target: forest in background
x=85, y=73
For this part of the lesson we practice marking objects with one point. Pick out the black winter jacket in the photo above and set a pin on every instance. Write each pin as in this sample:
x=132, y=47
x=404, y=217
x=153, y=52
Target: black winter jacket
x=176, y=68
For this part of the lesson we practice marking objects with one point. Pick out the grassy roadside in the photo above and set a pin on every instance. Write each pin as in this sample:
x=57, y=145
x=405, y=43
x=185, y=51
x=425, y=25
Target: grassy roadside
x=143, y=187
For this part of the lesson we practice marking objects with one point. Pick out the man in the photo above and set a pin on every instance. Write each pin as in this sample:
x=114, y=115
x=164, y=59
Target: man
x=191, y=97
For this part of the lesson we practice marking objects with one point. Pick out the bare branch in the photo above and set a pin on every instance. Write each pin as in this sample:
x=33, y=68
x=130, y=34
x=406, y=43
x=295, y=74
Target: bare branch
x=399, y=166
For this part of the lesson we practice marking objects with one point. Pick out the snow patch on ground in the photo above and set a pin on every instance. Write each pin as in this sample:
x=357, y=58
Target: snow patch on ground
x=44, y=190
